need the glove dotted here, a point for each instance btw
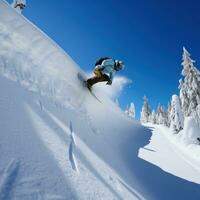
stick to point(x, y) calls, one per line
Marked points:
point(109, 82)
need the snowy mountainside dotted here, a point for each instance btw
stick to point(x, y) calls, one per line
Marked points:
point(39, 62)
point(57, 141)
point(35, 140)
point(35, 124)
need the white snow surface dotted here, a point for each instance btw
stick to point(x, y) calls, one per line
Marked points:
point(57, 141)
point(168, 151)
point(165, 153)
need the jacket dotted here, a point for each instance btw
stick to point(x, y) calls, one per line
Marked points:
point(108, 67)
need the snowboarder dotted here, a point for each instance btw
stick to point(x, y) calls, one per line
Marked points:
point(19, 5)
point(104, 70)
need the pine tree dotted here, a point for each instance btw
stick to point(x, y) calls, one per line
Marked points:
point(145, 113)
point(196, 115)
point(161, 116)
point(130, 110)
point(168, 114)
point(189, 86)
point(158, 114)
point(176, 114)
point(152, 117)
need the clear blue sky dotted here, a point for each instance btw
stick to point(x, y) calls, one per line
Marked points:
point(147, 34)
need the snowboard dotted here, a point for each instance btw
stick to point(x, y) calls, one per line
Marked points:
point(84, 83)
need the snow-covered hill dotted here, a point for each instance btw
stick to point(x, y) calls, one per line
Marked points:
point(35, 141)
point(35, 124)
point(56, 140)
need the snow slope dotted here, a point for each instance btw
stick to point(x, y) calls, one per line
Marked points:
point(35, 140)
point(36, 134)
point(57, 141)
point(163, 153)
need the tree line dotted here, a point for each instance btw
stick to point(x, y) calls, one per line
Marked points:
point(182, 106)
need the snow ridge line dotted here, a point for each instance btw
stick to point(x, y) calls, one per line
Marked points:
point(8, 179)
point(61, 50)
point(42, 67)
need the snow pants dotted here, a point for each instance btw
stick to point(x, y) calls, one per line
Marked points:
point(99, 77)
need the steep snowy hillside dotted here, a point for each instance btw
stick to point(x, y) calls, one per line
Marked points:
point(36, 136)
point(35, 141)
point(57, 141)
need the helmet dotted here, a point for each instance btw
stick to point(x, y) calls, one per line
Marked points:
point(119, 65)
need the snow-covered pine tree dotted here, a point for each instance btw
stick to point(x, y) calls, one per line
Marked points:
point(158, 114)
point(165, 117)
point(189, 86)
point(145, 113)
point(196, 115)
point(176, 114)
point(161, 116)
point(168, 114)
point(130, 110)
point(152, 117)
